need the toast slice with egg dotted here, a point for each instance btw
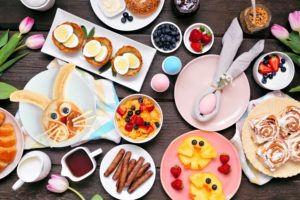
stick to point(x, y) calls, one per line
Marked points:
point(128, 50)
point(77, 31)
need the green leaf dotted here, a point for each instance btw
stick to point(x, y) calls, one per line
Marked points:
point(3, 38)
point(84, 32)
point(91, 33)
point(294, 57)
point(97, 197)
point(202, 29)
point(9, 63)
point(295, 89)
point(294, 41)
point(9, 48)
point(6, 90)
point(105, 67)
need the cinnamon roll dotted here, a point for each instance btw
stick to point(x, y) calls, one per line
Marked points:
point(290, 122)
point(265, 129)
point(273, 154)
point(294, 146)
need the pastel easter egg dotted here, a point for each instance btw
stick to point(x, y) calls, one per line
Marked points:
point(160, 82)
point(208, 104)
point(172, 65)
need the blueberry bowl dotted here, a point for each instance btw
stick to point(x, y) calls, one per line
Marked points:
point(274, 70)
point(166, 37)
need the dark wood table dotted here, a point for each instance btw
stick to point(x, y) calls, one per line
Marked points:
point(218, 15)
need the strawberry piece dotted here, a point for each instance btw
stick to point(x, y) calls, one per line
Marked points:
point(129, 127)
point(196, 46)
point(132, 120)
point(175, 171)
point(121, 110)
point(274, 62)
point(138, 120)
point(264, 69)
point(177, 184)
point(224, 169)
point(143, 108)
point(148, 129)
point(195, 35)
point(150, 108)
point(206, 39)
point(224, 158)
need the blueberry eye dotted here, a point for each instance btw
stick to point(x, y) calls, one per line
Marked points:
point(194, 142)
point(66, 110)
point(214, 187)
point(208, 180)
point(201, 143)
point(53, 116)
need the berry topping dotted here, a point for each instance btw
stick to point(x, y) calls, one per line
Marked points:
point(132, 108)
point(129, 127)
point(282, 60)
point(175, 171)
point(127, 119)
point(283, 69)
point(157, 124)
point(224, 169)
point(137, 112)
point(270, 76)
point(177, 184)
point(130, 113)
point(139, 121)
point(147, 123)
point(274, 62)
point(264, 69)
point(121, 110)
point(136, 127)
point(140, 99)
point(224, 158)
point(208, 180)
point(150, 108)
point(264, 80)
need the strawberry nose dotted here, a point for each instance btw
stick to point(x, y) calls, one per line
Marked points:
point(63, 120)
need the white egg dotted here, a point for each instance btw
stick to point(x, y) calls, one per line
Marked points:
point(121, 64)
point(102, 54)
point(134, 62)
point(63, 32)
point(91, 48)
point(72, 41)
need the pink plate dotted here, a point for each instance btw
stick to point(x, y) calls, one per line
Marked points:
point(197, 76)
point(231, 182)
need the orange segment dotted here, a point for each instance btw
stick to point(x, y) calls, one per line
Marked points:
point(7, 141)
point(7, 154)
point(2, 118)
point(3, 165)
point(6, 129)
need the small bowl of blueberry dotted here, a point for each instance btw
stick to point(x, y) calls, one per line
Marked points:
point(166, 37)
point(274, 70)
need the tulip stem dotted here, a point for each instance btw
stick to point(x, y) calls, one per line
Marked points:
point(20, 47)
point(76, 192)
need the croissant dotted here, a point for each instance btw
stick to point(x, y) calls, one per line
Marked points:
point(290, 122)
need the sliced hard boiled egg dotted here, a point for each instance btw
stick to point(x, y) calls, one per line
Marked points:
point(102, 54)
point(91, 48)
point(134, 62)
point(121, 64)
point(63, 32)
point(71, 42)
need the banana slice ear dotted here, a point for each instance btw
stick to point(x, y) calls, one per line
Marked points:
point(61, 79)
point(27, 96)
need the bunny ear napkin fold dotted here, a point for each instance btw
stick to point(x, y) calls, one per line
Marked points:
point(227, 69)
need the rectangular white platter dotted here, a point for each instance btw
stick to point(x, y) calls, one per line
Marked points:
point(135, 82)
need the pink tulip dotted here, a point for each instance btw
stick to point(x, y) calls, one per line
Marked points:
point(26, 25)
point(279, 32)
point(294, 19)
point(35, 41)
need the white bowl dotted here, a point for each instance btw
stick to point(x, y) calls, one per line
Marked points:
point(177, 44)
point(187, 42)
point(281, 79)
point(133, 96)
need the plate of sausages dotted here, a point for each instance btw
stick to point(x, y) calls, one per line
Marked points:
point(127, 172)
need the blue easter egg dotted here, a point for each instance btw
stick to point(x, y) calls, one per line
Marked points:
point(172, 65)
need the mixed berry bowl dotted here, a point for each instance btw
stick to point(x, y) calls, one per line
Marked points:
point(274, 70)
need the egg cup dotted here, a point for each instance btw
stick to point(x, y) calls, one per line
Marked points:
point(77, 31)
point(128, 49)
point(104, 42)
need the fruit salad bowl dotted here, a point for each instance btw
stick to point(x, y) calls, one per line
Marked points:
point(138, 118)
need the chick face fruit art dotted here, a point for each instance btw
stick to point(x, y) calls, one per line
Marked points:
point(206, 186)
point(196, 152)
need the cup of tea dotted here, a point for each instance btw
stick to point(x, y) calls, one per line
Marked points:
point(79, 163)
point(40, 5)
point(33, 167)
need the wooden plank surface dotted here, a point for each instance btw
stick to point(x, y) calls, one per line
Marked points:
point(216, 13)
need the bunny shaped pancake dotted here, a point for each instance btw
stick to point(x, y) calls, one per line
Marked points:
point(61, 119)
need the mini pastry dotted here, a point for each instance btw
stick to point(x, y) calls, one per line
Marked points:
point(264, 129)
point(294, 146)
point(127, 61)
point(196, 152)
point(68, 37)
point(97, 51)
point(273, 154)
point(142, 7)
point(290, 122)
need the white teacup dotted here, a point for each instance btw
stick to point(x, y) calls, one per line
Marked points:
point(65, 171)
point(40, 5)
point(33, 167)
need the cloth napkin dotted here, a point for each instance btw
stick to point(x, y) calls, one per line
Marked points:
point(253, 175)
point(106, 103)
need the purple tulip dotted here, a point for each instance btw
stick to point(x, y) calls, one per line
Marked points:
point(279, 32)
point(26, 25)
point(294, 19)
point(35, 41)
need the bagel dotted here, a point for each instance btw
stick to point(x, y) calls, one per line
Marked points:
point(142, 7)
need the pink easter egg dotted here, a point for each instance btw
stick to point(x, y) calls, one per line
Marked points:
point(208, 104)
point(160, 82)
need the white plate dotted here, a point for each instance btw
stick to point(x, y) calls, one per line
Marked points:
point(110, 185)
point(20, 144)
point(115, 22)
point(76, 90)
point(135, 82)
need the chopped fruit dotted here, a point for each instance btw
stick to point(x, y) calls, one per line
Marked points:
point(264, 69)
point(150, 108)
point(136, 127)
point(129, 127)
point(121, 110)
point(143, 108)
point(196, 46)
point(133, 119)
point(175, 171)
point(224, 158)
point(140, 99)
point(206, 39)
point(283, 69)
point(157, 124)
point(195, 35)
point(147, 123)
point(147, 129)
point(137, 112)
point(139, 121)
point(130, 113)
point(274, 62)
point(127, 119)
point(224, 169)
point(132, 108)
point(177, 184)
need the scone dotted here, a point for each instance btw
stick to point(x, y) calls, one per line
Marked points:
point(127, 61)
point(68, 37)
point(142, 7)
point(97, 51)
